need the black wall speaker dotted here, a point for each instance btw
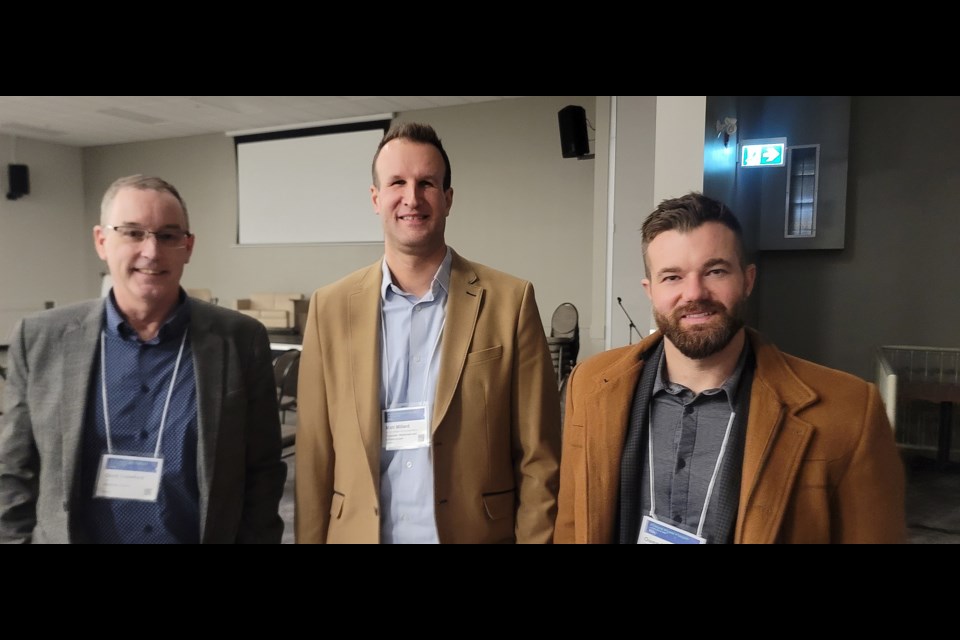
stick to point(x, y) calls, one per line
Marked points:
point(573, 131)
point(19, 181)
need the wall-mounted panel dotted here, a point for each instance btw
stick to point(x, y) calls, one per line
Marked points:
point(817, 129)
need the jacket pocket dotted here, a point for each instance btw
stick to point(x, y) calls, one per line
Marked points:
point(574, 436)
point(500, 505)
point(807, 516)
point(484, 355)
point(336, 505)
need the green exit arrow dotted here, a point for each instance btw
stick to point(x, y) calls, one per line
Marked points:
point(763, 153)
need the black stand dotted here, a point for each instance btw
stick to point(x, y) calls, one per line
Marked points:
point(632, 326)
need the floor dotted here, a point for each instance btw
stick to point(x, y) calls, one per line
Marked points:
point(286, 503)
point(933, 501)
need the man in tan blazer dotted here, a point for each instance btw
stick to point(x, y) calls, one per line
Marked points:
point(427, 404)
point(704, 432)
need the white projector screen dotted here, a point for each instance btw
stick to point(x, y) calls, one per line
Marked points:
point(301, 187)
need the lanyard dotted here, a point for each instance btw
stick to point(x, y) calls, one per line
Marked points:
point(103, 386)
point(713, 478)
point(385, 365)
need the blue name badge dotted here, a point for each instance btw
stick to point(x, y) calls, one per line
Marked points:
point(656, 532)
point(406, 427)
point(128, 478)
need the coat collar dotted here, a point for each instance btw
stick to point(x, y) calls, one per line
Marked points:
point(364, 312)
point(463, 308)
point(81, 337)
point(776, 441)
point(610, 401)
point(207, 346)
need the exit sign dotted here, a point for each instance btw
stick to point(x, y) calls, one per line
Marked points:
point(763, 153)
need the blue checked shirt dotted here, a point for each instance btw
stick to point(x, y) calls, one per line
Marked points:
point(138, 379)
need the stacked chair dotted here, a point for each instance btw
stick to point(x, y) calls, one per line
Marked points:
point(286, 370)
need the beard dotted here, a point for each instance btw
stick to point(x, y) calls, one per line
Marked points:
point(702, 340)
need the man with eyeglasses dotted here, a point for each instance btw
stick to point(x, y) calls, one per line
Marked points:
point(147, 416)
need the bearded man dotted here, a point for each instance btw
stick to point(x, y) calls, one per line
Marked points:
point(705, 432)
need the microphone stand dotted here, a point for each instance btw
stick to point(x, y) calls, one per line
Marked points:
point(632, 326)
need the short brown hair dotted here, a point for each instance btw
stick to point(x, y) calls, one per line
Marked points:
point(143, 183)
point(415, 132)
point(685, 214)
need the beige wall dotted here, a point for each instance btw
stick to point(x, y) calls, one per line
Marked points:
point(519, 206)
point(633, 197)
point(594, 341)
point(522, 208)
point(43, 236)
point(657, 154)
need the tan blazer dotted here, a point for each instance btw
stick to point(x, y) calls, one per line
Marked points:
point(819, 464)
point(496, 422)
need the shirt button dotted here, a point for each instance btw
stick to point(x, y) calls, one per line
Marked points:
point(144, 388)
point(681, 463)
point(409, 464)
point(416, 358)
point(688, 410)
point(143, 435)
point(403, 516)
point(677, 517)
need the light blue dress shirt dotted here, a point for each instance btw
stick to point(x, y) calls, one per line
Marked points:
point(410, 356)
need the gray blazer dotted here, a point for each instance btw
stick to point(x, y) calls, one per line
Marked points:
point(50, 362)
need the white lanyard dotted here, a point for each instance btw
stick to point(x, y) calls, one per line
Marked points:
point(713, 478)
point(103, 386)
point(385, 365)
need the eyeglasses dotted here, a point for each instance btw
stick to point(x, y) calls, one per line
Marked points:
point(171, 238)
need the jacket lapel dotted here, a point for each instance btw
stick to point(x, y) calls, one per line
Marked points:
point(81, 342)
point(463, 308)
point(364, 310)
point(208, 360)
point(776, 440)
point(610, 402)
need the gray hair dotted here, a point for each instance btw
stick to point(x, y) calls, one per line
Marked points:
point(143, 183)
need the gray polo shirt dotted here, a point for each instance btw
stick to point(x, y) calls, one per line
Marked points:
point(687, 431)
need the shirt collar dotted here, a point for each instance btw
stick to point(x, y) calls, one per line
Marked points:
point(173, 326)
point(730, 386)
point(441, 278)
